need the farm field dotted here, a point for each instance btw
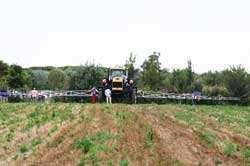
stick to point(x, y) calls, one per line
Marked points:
point(120, 134)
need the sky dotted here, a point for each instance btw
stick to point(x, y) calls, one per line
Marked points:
point(214, 34)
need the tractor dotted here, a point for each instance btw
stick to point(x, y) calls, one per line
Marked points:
point(121, 86)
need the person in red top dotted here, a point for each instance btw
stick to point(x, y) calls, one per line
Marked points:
point(94, 93)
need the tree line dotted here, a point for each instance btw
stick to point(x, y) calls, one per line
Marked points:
point(233, 81)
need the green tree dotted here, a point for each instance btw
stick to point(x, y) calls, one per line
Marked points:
point(190, 74)
point(212, 78)
point(236, 81)
point(28, 76)
point(3, 75)
point(3, 69)
point(196, 86)
point(40, 79)
point(166, 82)
point(180, 80)
point(130, 66)
point(85, 77)
point(151, 72)
point(16, 77)
point(3, 83)
point(213, 84)
point(56, 79)
point(184, 79)
point(216, 90)
point(69, 72)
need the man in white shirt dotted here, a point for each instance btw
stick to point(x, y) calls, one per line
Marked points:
point(108, 95)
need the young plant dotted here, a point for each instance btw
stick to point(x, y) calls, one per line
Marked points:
point(92, 145)
point(186, 116)
point(24, 148)
point(149, 136)
point(246, 153)
point(84, 144)
point(124, 163)
point(208, 138)
point(230, 149)
point(36, 142)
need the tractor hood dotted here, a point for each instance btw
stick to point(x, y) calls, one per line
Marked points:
point(117, 79)
point(117, 84)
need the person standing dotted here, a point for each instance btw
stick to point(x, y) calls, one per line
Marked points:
point(108, 96)
point(94, 93)
point(34, 94)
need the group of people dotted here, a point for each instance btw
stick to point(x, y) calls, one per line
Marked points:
point(95, 92)
point(33, 95)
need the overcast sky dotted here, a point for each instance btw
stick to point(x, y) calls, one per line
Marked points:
point(212, 33)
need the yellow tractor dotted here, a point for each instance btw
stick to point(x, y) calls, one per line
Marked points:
point(121, 86)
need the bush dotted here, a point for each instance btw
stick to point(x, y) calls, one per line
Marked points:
point(215, 91)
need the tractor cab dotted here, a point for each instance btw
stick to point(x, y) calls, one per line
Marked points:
point(118, 72)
